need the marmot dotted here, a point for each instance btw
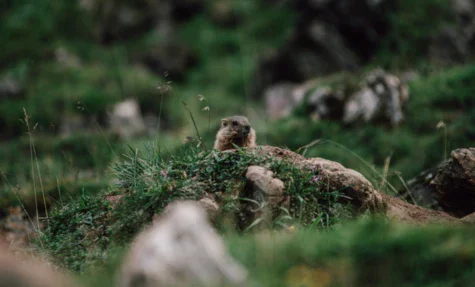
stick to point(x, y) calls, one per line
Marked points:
point(235, 130)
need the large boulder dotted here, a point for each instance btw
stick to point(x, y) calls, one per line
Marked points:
point(359, 192)
point(357, 189)
point(382, 96)
point(379, 97)
point(180, 249)
point(454, 184)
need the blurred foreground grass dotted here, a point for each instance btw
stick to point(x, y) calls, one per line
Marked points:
point(364, 253)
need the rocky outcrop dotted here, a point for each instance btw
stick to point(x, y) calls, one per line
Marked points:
point(418, 190)
point(454, 184)
point(357, 189)
point(380, 97)
point(359, 192)
point(266, 195)
point(449, 186)
point(180, 249)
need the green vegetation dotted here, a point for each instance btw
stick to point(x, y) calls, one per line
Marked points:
point(97, 200)
point(412, 147)
point(363, 253)
point(148, 183)
point(413, 25)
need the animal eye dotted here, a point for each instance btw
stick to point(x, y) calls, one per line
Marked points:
point(225, 124)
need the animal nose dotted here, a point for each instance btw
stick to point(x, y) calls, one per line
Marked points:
point(247, 129)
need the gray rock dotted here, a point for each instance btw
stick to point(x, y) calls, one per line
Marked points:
point(126, 119)
point(66, 58)
point(454, 185)
point(281, 99)
point(180, 249)
point(10, 89)
point(381, 97)
point(325, 103)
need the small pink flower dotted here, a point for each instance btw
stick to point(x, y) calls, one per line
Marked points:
point(316, 179)
point(164, 173)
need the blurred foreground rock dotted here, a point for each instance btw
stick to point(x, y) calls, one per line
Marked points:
point(180, 249)
point(15, 230)
point(379, 97)
point(29, 272)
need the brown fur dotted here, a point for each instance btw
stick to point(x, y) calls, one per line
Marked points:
point(235, 130)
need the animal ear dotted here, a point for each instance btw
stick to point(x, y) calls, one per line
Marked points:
point(224, 122)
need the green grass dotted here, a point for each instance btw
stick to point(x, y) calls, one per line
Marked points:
point(85, 231)
point(364, 253)
point(148, 183)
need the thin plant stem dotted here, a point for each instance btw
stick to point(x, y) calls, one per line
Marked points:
point(194, 124)
point(32, 166)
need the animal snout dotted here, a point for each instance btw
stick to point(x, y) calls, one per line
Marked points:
point(246, 130)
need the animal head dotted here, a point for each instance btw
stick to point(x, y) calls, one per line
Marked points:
point(238, 126)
